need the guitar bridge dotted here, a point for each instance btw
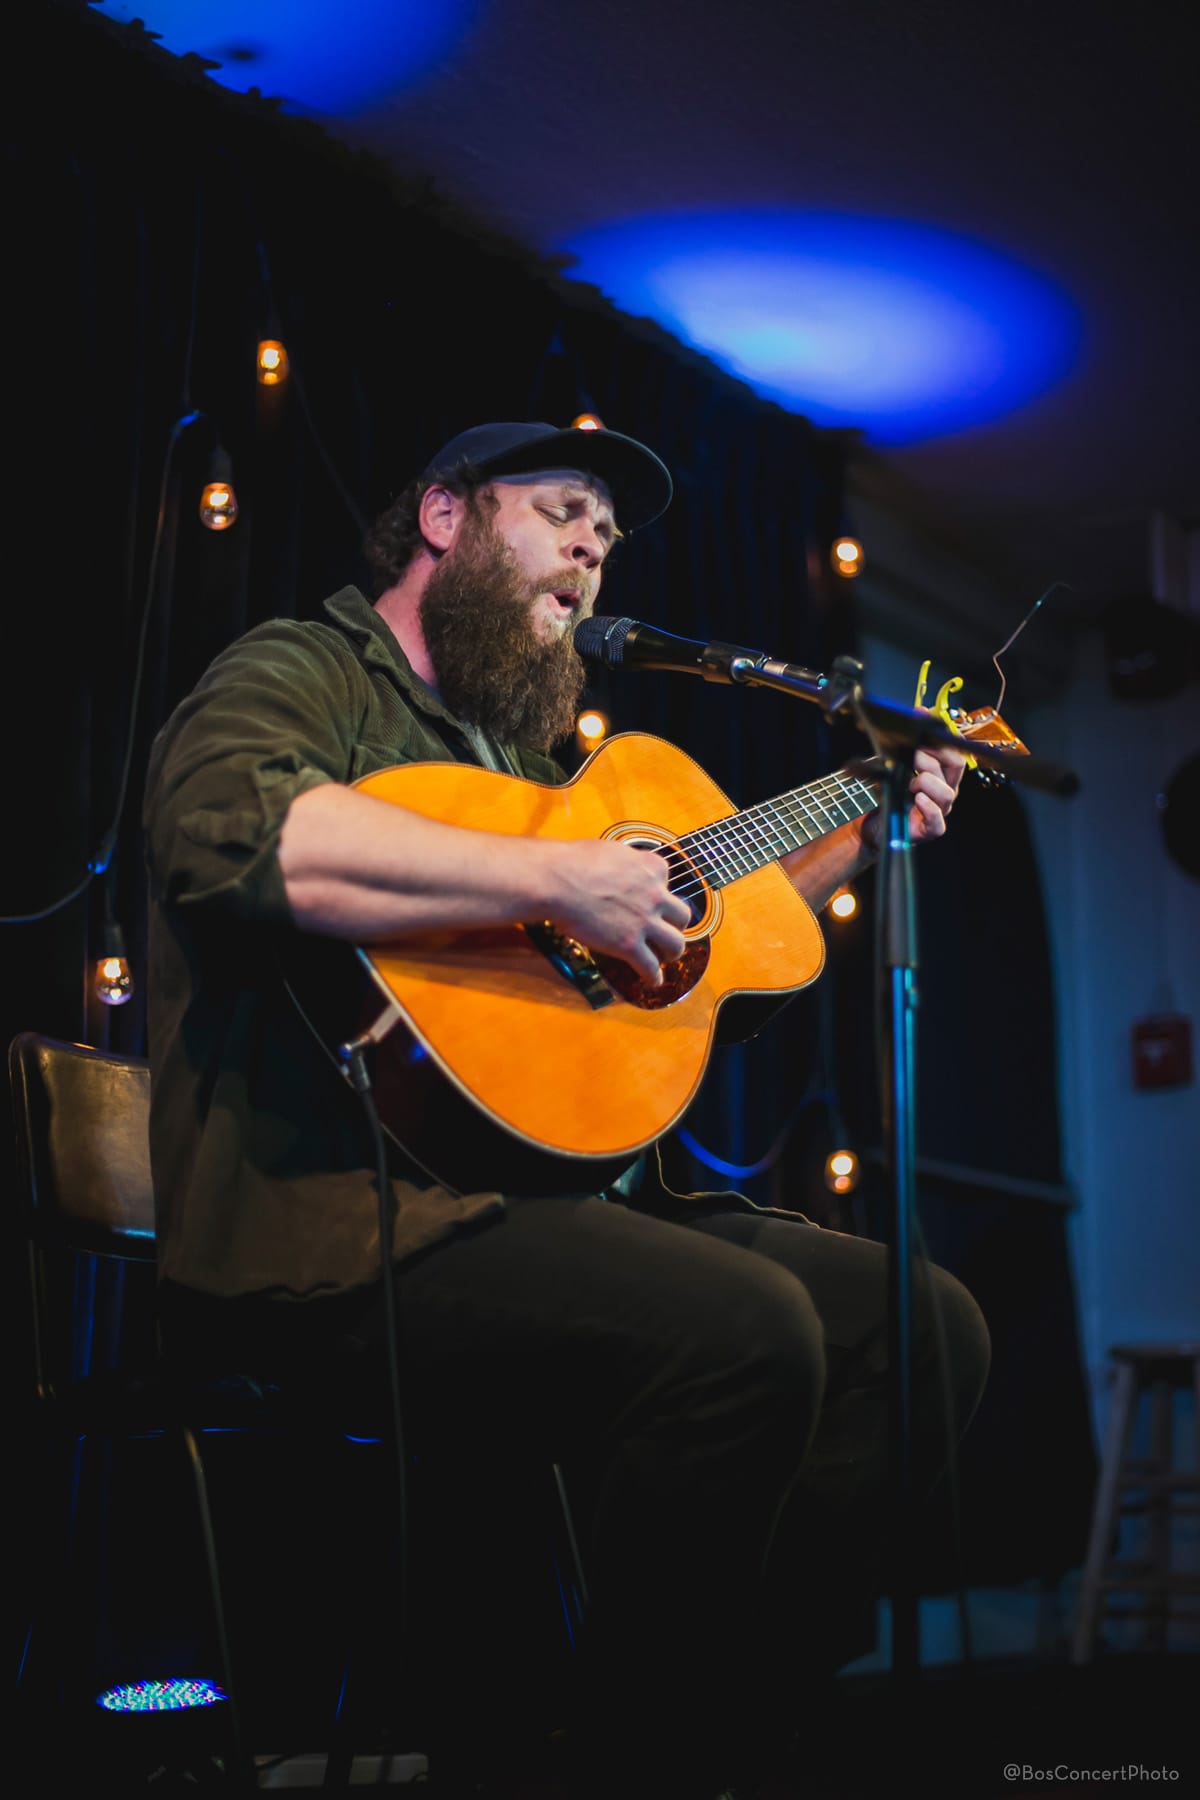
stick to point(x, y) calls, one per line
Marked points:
point(573, 962)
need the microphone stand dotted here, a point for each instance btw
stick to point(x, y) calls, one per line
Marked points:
point(894, 732)
point(898, 1105)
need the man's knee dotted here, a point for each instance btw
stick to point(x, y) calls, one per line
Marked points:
point(955, 1331)
point(753, 1362)
point(785, 1350)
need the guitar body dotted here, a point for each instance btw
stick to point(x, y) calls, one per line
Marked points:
point(509, 1058)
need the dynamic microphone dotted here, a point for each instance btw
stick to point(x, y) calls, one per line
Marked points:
point(628, 644)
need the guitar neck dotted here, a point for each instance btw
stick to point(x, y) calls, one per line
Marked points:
point(737, 846)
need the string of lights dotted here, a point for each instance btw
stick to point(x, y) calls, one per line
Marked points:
point(99, 863)
point(218, 509)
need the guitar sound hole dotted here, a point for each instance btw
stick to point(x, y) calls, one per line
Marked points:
point(683, 879)
point(681, 976)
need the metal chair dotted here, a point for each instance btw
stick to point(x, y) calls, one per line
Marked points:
point(85, 1192)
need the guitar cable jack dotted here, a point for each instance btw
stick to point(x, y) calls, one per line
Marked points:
point(353, 1058)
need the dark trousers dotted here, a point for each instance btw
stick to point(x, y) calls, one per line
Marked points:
point(715, 1386)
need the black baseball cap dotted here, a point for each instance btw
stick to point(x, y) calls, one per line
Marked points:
point(639, 481)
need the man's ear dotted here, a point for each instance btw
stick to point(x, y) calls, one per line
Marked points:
point(441, 515)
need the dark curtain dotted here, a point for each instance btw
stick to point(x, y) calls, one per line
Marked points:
point(160, 226)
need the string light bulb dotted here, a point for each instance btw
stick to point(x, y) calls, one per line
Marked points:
point(272, 362)
point(112, 978)
point(847, 557)
point(841, 1171)
point(843, 904)
point(218, 502)
point(587, 422)
point(591, 729)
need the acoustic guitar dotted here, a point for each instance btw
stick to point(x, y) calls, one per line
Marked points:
point(512, 1057)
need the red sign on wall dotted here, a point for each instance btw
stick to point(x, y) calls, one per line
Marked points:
point(1162, 1051)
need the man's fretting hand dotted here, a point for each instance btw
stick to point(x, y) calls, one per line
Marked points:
point(937, 777)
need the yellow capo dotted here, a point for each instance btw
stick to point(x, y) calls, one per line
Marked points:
point(942, 709)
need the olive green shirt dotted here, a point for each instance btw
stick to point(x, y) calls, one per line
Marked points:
point(263, 1172)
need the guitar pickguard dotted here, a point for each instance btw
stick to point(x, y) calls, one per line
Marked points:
point(679, 977)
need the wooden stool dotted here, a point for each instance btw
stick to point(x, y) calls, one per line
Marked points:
point(1149, 1485)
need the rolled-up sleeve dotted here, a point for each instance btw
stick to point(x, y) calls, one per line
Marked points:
point(269, 719)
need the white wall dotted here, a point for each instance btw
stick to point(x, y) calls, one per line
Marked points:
point(1125, 929)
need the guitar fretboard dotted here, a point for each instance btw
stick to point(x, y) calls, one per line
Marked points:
point(734, 847)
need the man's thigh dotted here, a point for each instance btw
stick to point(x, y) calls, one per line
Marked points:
point(845, 1277)
point(565, 1313)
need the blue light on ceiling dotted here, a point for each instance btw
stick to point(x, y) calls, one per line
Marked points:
point(899, 329)
point(317, 56)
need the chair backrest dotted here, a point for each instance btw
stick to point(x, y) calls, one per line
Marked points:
point(83, 1150)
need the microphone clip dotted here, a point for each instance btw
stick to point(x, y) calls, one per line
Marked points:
point(729, 662)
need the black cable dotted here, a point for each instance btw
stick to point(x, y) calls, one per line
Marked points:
point(98, 864)
point(351, 504)
point(275, 322)
point(354, 1066)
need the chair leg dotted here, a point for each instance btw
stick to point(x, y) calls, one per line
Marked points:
point(243, 1770)
point(339, 1760)
point(572, 1581)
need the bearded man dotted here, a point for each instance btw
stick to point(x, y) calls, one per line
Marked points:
point(711, 1375)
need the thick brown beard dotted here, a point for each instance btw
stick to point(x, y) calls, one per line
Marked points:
point(492, 669)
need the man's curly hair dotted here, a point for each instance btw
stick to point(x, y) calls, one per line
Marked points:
point(395, 537)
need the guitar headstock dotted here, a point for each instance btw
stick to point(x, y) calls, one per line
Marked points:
point(984, 725)
point(987, 727)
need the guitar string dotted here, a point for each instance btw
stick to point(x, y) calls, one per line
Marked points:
point(717, 844)
point(729, 846)
point(788, 818)
point(786, 811)
point(802, 804)
point(707, 837)
point(708, 852)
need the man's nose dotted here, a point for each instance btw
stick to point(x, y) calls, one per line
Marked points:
point(587, 548)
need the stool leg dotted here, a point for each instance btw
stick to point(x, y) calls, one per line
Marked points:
point(1104, 1513)
point(1158, 1510)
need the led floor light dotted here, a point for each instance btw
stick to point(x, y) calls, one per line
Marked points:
point(176, 1694)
